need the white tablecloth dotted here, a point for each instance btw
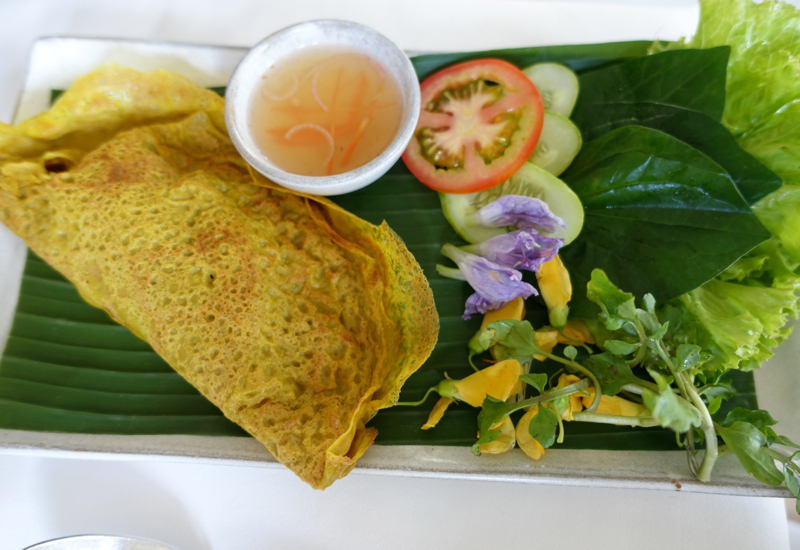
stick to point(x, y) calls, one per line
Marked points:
point(199, 507)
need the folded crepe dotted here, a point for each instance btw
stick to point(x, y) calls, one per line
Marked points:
point(297, 319)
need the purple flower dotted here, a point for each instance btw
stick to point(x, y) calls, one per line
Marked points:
point(518, 249)
point(494, 284)
point(478, 304)
point(527, 213)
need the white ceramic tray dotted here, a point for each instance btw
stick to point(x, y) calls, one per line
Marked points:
point(55, 62)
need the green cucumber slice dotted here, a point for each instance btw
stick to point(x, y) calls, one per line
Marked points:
point(530, 181)
point(558, 145)
point(557, 85)
point(457, 209)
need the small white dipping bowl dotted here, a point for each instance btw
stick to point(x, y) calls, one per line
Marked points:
point(247, 80)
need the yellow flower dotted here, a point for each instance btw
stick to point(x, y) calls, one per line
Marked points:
point(575, 404)
point(577, 401)
point(437, 413)
point(526, 442)
point(504, 442)
point(499, 381)
point(612, 405)
point(556, 290)
point(545, 341)
point(515, 309)
point(575, 329)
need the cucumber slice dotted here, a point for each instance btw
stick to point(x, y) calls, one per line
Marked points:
point(557, 85)
point(458, 208)
point(530, 181)
point(558, 145)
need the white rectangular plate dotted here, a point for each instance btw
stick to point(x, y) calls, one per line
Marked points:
point(55, 62)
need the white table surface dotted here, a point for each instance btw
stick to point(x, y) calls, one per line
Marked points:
point(204, 507)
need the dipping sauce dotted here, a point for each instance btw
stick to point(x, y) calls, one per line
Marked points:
point(325, 111)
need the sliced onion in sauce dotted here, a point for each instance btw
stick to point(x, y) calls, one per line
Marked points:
point(285, 95)
point(316, 127)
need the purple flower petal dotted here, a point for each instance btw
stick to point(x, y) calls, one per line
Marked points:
point(478, 304)
point(526, 213)
point(519, 249)
point(494, 284)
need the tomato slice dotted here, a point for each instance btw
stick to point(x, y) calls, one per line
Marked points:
point(479, 123)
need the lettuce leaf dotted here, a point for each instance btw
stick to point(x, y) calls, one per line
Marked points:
point(738, 323)
point(741, 315)
point(764, 64)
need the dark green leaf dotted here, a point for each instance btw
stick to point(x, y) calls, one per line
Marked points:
point(660, 216)
point(613, 103)
point(747, 442)
point(612, 372)
point(577, 57)
point(710, 137)
point(543, 427)
point(536, 379)
point(694, 80)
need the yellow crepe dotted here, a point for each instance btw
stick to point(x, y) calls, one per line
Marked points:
point(297, 319)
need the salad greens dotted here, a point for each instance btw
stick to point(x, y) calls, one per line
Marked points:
point(682, 397)
point(690, 180)
point(661, 217)
point(697, 129)
point(744, 311)
point(718, 123)
point(693, 79)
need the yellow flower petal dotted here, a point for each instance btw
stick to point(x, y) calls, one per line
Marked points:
point(502, 443)
point(437, 413)
point(613, 405)
point(515, 309)
point(566, 379)
point(575, 404)
point(575, 329)
point(528, 444)
point(545, 340)
point(499, 381)
point(554, 284)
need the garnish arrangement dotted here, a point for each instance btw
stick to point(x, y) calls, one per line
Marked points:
point(611, 240)
point(665, 202)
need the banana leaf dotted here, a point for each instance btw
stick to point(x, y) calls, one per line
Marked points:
point(68, 367)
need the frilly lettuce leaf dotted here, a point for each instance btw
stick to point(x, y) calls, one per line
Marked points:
point(763, 67)
point(737, 323)
point(741, 315)
point(779, 214)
